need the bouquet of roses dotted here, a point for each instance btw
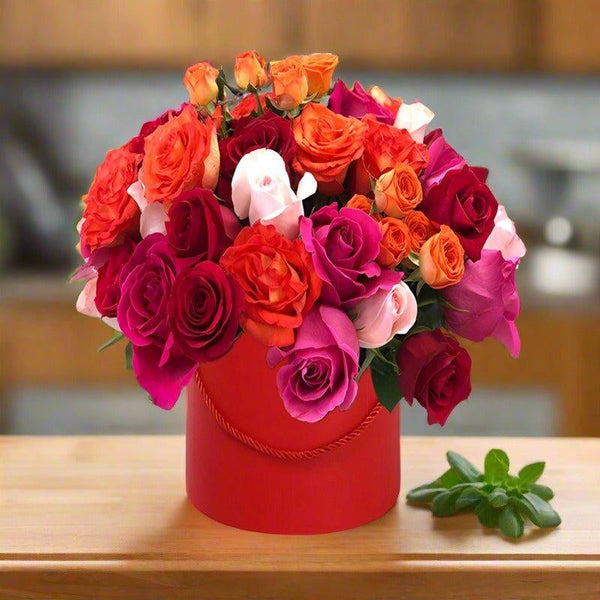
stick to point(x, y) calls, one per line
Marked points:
point(323, 221)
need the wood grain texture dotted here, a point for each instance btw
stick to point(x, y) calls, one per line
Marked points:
point(107, 517)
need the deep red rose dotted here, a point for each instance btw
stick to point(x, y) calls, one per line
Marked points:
point(204, 311)
point(464, 203)
point(267, 131)
point(199, 228)
point(136, 144)
point(436, 371)
point(108, 289)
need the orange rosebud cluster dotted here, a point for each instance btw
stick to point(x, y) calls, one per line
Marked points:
point(250, 69)
point(200, 81)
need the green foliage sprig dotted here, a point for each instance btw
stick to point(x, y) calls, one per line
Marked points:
point(496, 497)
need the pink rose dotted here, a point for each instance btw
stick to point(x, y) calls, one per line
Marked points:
point(261, 191)
point(487, 301)
point(442, 158)
point(321, 365)
point(385, 314)
point(414, 118)
point(504, 237)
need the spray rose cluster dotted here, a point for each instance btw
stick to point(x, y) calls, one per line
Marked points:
point(321, 219)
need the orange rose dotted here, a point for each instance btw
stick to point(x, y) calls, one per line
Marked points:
point(395, 243)
point(420, 227)
point(200, 81)
point(110, 212)
point(384, 99)
point(361, 203)
point(180, 155)
point(278, 279)
point(248, 104)
point(319, 68)
point(398, 191)
point(327, 144)
point(442, 259)
point(250, 69)
point(290, 84)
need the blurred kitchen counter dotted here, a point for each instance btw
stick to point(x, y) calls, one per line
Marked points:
point(45, 341)
point(501, 35)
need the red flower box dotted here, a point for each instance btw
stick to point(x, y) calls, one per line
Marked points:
point(251, 465)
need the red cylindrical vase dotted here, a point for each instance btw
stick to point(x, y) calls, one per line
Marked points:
point(253, 466)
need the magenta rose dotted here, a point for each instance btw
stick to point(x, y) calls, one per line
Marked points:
point(442, 158)
point(321, 365)
point(464, 203)
point(142, 313)
point(344, 246)
point(199, 228)
point(436, 371)
point(250, 133)
point(357, 103)
point(204, 311)
point(108, 288)
point(487, 301)
point(136, 144)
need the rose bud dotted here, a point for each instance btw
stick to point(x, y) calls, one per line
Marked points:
point(420, 227)
point(486, 301)
point(250, 69)
point(261, 191)
point(363, 203)
point(319, 68)
point(204, 311)
point(199, 228)
point(321, 365)
point(414, 118)
point(200, 81)
point(436, 371)
point(395, 244)
point(398, 191)
point(442, 259)
point(382, 316)
point(290, 84)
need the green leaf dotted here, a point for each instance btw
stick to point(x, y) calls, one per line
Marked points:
point(414, 276)
point(129, 356)
point(465, 470)
point(444, 504)
point(498, 498)
point(531, 473)
point(543, 491)
point(537, 510)
point(470, 496)
point(385, 382)
point(117, 337)
point(510, 522)
point(448, 479)
point(425, 494)
point(496, 466)
point(487, 515)
point(368, 359)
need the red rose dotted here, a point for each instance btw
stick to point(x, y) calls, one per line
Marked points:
point(204, 311)
point(267, 131)
point(436, 371)
point(199, 228)
point(108, 289)
point(466, 204)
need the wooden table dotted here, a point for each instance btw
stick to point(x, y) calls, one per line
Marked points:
point(107, 518)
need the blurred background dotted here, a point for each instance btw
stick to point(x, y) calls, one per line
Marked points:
point(514, 83)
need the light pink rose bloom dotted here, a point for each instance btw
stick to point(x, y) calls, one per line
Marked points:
point(385, 314)
point(261, 191)
point(504, 237)
point(414, 118)
point(153, 216)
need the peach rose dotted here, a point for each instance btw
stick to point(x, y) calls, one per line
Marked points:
point(398, 191)
point(290, 84)
point(384, 99)
point(361, 203)
point(200, 81)
point(180, 155)
point(319, 68)
point(327, 144)
point(420, 227)
point(442, 259)
point(250, 69)
point(395, 243)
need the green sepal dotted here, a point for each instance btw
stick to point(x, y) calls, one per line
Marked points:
point(129, 356)
point(385, 382)
point(117, 337)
